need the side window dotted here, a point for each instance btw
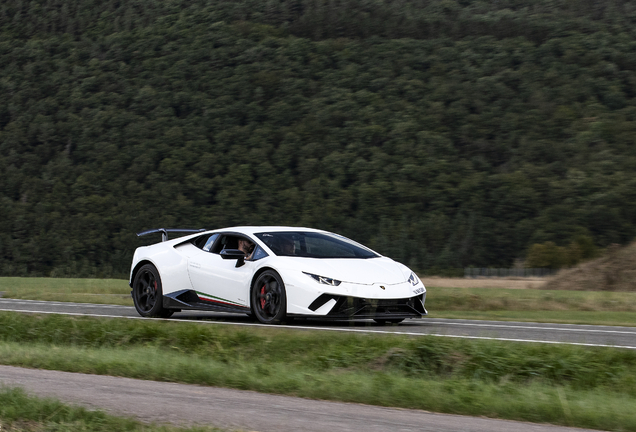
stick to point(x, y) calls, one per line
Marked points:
point(259, 254)
point(228, 241)
point(225, 242)
point(205, 241)
point(210, 242)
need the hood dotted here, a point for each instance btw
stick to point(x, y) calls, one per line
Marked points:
point(360, 271)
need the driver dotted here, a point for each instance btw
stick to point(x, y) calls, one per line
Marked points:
point(247, 247)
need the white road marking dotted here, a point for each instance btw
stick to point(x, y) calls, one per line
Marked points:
point(526, 327)
point(13, 301)
point(335, 329)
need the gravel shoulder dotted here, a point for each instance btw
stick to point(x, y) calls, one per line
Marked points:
point(183, 404)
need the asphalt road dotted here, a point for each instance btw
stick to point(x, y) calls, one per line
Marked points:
point(238, 409)
point(499, 330)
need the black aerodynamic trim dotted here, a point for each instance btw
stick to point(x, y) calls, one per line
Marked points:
point(189, 300)
point(356, 307)
point(320, 301)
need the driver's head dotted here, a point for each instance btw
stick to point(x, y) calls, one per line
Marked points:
point(246, 246)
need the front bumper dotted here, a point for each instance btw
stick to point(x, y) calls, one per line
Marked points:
point(347, 307)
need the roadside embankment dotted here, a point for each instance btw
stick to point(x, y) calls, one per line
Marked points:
point(530, 382)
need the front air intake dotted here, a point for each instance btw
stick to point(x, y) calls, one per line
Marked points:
point(356, 307)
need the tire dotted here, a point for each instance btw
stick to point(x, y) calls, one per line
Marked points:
point(147, 293)
point(268, 298)
point(389, 321)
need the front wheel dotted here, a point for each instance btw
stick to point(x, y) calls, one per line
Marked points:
point(147, 293)
point(268, 298)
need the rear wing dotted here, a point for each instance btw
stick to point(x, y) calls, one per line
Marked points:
point(164, 232)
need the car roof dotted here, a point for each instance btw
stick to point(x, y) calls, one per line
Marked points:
point(251, 230)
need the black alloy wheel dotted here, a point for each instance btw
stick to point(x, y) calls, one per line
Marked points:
point(148, 294)
point(268, 298)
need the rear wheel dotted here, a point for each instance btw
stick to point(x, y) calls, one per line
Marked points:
point(147, 293)
point(268, 298)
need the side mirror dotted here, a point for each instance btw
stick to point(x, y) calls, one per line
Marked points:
point(236, 254)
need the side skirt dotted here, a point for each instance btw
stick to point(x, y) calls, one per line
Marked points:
point(190, 300)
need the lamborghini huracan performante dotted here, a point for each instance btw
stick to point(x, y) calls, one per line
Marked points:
point(273, 274)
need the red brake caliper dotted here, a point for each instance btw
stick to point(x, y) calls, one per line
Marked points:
point(263, 297)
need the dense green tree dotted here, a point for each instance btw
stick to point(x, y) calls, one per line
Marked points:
point(441, 133)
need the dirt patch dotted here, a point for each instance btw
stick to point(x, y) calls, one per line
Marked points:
point(510, 283)
point(614, 271)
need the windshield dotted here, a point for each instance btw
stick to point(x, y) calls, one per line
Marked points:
point(314, 245)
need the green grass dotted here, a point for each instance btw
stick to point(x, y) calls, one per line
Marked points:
point(576, 386)
point(500, 304)
point(567, 385)
point(497, 299)
point(101, 291)
point(21, 412)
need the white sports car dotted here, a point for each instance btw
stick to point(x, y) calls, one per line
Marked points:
point(273, 274)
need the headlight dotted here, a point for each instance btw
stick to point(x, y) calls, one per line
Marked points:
point(413, 280)
point(323, 280)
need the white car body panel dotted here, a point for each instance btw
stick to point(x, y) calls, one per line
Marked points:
point(184, 266)
point(168, 261)
point(212, 275)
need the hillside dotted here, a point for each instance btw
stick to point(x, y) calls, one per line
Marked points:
point(614, 271)
point(441, 133)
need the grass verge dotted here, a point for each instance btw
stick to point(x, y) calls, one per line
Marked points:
point(22, 413)
point(566, 385)
point(501, 299)
point(100, 291)
point(499, 304)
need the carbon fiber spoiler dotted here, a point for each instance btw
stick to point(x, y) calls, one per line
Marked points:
point(164, 232)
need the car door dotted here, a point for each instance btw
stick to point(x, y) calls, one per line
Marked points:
point(218, 280)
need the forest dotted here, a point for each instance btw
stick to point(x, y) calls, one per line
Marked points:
point(442, 133)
